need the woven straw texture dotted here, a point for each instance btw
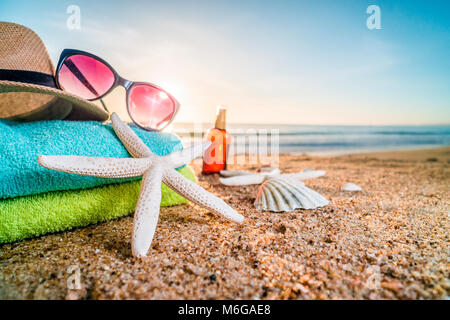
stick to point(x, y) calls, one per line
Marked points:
point(22, 49)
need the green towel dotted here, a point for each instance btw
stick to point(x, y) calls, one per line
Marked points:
point(35, 215)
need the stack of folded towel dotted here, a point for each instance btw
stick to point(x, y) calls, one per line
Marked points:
point(35, 201)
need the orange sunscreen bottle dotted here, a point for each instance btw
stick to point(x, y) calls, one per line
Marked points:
point(215, 157)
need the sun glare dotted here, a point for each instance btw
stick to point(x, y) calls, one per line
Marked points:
point(163, 95)
point(173, 89)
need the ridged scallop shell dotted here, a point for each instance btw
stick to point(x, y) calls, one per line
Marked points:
point(287, 194)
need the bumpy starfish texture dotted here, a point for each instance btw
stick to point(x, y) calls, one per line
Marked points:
point(153, 170)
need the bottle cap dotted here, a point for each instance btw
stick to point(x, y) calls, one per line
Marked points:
point(220, 119)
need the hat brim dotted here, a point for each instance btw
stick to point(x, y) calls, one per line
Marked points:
point(81, 109)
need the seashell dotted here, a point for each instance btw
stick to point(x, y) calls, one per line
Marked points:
point(264, 171)
point(243, 180)
point(351, 187)
point(233, 173)
point(287, 194)
point(247, 179)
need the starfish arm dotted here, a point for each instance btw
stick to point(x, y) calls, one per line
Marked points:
point(95, 166)
point(135, 146)
point(147, 210)
point(304, 175)
point(198, 195)
point(243, 180)
point(179, 158)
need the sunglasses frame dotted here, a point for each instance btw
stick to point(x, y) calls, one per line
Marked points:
point(118, 81)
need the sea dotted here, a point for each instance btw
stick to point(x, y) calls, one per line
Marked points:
point(321, 139)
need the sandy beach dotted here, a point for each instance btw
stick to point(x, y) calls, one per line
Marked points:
point(390, 241)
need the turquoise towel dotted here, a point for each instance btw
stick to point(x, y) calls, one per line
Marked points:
point(21, 143)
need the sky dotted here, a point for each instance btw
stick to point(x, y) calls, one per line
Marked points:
point(283, 62)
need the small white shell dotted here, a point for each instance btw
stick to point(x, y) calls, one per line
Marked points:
point(287, 194)
point(243, 180)
point(233, 173)
point(351, 187)
point(249, 178)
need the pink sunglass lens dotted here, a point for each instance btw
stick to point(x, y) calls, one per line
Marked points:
point(85, 77)
point(150, 107)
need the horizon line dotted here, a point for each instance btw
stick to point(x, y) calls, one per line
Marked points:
point(313, 125)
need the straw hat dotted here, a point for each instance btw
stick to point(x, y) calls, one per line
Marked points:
point(27, 83)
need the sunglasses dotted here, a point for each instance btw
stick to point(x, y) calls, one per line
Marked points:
point(91, 78)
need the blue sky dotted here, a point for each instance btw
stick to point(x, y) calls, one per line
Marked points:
point(299, 62)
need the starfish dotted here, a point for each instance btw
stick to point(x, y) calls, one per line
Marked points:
point(153, 170)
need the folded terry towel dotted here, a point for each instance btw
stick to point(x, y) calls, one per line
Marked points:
point(35, 215)
point(21, 143)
